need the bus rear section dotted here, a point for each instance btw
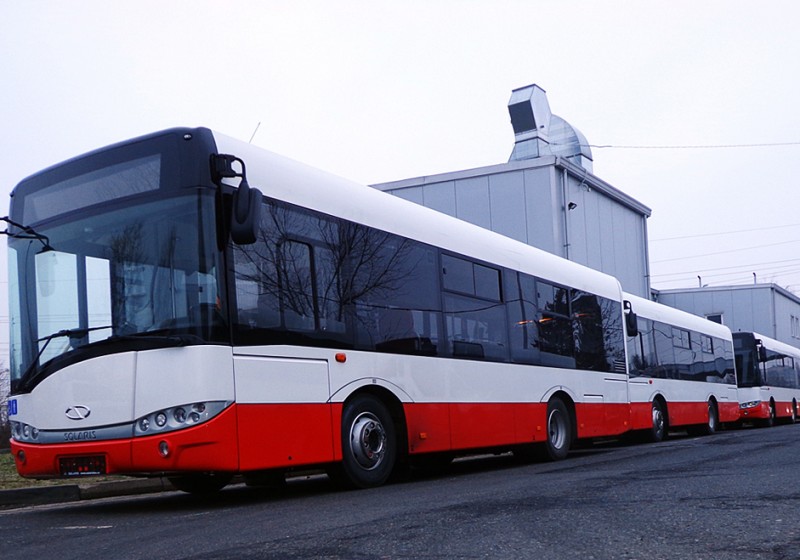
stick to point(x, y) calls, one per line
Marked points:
point(681, 372)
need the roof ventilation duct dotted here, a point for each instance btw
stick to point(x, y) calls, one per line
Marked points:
point(538, 132)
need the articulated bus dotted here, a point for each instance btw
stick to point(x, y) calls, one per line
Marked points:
point(681, 369)
point(168, 319)
point(769, 378)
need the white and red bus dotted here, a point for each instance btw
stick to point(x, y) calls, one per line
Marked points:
point(681, 369)
point(168, 319)
point(769, 379)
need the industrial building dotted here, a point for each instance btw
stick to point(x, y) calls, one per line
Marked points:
point(546, 195)
point(766, 309)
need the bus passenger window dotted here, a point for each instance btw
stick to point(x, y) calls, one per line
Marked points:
point(520, 296)
point(555, 327)
point(476, 329)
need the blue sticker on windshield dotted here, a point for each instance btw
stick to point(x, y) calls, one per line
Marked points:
point(12, 407)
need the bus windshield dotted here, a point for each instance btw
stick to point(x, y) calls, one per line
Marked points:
point(143, 273)
point(747, 370)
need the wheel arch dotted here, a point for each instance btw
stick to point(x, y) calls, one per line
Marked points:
point(395, 406)
point(569, 402)
point(662, 400)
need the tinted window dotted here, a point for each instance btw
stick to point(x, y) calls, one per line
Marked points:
point(457, 275)
point(520, 293)
point(469, 278)
point(474, 329)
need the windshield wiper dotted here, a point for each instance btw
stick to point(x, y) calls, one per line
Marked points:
point(26, 232)
point(33, 371)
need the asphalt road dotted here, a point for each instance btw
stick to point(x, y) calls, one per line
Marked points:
point(735, 495)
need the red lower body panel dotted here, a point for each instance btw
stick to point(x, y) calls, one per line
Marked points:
point(462, 426)
point(286, 435)
point(248, 437)
point(207, 447)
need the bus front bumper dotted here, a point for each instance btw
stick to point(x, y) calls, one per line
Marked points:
point(210, 446)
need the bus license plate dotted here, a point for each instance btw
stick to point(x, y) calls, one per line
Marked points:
point(82, 466)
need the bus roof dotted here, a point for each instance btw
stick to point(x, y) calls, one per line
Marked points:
point(676, 317)
point(777, 345)
point(288, 180)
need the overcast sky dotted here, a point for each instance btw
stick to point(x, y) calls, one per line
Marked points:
point(379, 91)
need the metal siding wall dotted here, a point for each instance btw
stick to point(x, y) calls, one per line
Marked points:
point(755, 310)
point(543, 211)
point(606, 240)
point(579, 222)
point(413, 194)
point(441, 197)
point(472, 201)
point(507, 205)
point(630, 254)
point(785, 309)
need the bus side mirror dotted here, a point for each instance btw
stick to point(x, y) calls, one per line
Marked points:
point(631, 320)
point(246, 208)
point(762, 354)
point(245, 214)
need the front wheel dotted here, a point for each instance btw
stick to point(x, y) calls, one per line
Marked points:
point(369, 443)
point(658, 431)
point(770, 421)
point(710, 427)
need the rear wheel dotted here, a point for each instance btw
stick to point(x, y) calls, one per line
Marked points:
point(769, 422)
point(658, 431)
point(559, 431)
point(369, 444)
point(712, 426)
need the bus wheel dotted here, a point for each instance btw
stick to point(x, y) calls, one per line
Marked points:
point(559, 431)
point(658, 432)
point(769, 422)
point(369, 445)
point(793, 418)
point(712, 426)
point(201, 483)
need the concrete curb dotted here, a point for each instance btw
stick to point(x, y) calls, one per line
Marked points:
point(62, 493)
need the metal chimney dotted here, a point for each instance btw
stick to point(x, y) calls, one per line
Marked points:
point(538, 132)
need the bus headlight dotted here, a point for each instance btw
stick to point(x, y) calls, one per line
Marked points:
point(177, 417)
point(23, 432)
point(749, 404)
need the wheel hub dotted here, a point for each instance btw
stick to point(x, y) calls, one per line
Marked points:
point(368, 440)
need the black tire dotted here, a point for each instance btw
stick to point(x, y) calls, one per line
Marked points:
point(201, 483)
point(793, 417)
point(559, 431)
point(710, 427)
point(769, 422)
point(369, 443)
point(658, 430)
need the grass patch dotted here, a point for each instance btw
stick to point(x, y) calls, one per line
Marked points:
point(9, 479)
